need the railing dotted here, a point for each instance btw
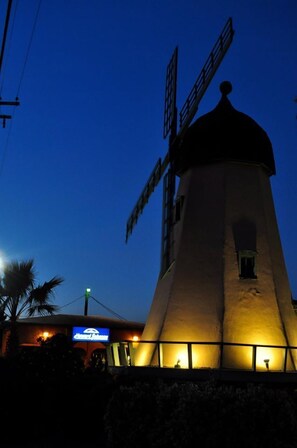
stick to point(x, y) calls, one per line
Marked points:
point(202, 355)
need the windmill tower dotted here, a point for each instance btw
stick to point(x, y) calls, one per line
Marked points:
point(223, 284)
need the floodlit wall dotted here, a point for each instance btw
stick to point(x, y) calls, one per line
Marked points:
point(228, 208)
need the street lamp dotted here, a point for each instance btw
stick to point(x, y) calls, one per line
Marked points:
point(87, 295)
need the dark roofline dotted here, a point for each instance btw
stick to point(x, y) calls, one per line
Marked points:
point(77, 320)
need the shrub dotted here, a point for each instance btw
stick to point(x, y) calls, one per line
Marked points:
point(206, 415)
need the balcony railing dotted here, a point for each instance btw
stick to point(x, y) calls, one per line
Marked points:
point(202, 355)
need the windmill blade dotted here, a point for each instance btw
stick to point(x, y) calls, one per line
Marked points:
point(170, 120)
point(170, 123)
point(210, 67)
point(149, 187)
point(170, 111)
point(167, 220)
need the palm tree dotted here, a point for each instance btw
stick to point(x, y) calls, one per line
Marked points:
point(19, 296)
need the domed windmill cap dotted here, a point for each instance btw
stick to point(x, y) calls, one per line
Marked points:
point(225, 134)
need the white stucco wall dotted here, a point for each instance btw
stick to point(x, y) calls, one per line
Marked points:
point(202, 297)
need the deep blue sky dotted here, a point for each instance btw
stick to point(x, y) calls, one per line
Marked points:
point(89, 130)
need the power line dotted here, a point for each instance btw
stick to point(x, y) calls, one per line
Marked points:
point(100, 303)
point(108, 309)
point(5, 32)
point(29, 46)
point(9, 44)
point(4, 117)
point(70, 303)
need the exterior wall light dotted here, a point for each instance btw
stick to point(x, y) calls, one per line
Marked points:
point(44, 336)
point(177, 365)
point(267, 363)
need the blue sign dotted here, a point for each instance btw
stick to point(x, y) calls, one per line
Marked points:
point(89, 334)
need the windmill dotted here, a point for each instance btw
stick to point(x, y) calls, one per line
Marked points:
point(166, 167)
point(223, 297)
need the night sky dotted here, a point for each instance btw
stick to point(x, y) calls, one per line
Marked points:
point(88, 132)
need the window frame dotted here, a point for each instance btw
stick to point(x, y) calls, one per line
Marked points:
point(250, 255)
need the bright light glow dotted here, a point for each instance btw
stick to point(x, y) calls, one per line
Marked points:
point(45, 335)
point(143, 353)
point(205, 356)
point(265, 360)
point(135, 338)
point(88, 289)
point(2, 262)
point(182, 359)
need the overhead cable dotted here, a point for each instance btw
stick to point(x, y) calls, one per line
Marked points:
point(108, 309)
point(29, 47)
point(100, 303)
point(70, 303)
point(5, 32)
point(8, 44)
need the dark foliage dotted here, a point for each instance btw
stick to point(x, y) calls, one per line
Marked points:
point(55, 358)
point(12, 343)
point(49, 401)
point(97, 362)
point(205, 415)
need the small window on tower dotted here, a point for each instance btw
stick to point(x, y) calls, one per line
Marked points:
point(247, 264)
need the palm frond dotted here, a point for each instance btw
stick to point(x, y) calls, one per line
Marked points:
point(42, 294)
point(18, 294)
point(42, 310)
point(18, 278)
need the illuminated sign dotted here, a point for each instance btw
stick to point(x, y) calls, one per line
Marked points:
point(87, 334)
